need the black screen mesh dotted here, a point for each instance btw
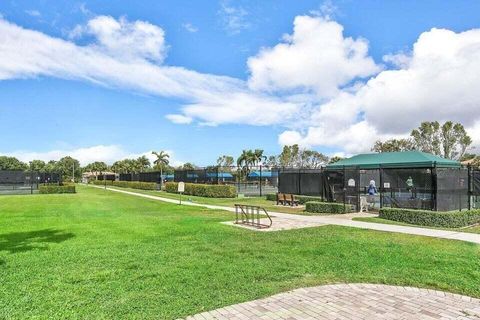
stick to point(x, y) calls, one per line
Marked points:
point(408, 188)
point(452, 189)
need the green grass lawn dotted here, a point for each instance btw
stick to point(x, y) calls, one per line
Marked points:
point(100, 254)
point(229, 202)
point(473, 229)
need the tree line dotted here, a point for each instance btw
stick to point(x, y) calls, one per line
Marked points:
point(448, 140)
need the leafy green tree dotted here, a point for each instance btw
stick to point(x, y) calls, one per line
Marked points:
point(293, 156)
point(449, 140)
point(394, 145)
point(289, 155)
point(125, 166)
point(66, 166)
point(335, 159)
point(225, 161)
point(188, 166)
point(37, 165)
point(50, 166)
point(12, 163)
point(97, 167)
point(273, 161)
point(311, 159)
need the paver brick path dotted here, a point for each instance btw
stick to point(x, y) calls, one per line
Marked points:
point(352, 301)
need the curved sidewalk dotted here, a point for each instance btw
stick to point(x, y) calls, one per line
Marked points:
point(301, 221)
point(352, 301)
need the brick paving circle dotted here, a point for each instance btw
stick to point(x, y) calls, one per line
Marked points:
point(353, 301)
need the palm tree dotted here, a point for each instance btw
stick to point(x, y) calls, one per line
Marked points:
point(161, 162)
point(246, 159)
point(143, 163)
point(258, 156)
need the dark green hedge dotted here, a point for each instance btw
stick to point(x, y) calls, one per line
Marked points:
point(204, 190)
point(301, 199)
point(326, 207)
point(449, 219)
point(50, 189)
point(128, 184)
point(271, 196)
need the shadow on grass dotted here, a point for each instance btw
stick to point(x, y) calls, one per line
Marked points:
point(26, 241)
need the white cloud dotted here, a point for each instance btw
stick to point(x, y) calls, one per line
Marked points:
point(322, 87)
point(86, 155)
point(121, 38)
point(316, 57)
point(190, 27)
point(438, 80)
point(48, 56)
point(234, 19)
point(179, 119)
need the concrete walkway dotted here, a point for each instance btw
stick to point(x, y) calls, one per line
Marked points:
point(300, 221)
point(352, 301)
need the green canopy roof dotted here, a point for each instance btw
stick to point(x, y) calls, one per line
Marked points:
point(406, 159)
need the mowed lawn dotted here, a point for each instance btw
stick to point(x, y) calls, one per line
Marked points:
point(100, 254)
point(228, 202)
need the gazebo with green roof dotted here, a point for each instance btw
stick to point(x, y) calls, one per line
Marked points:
point(406, 159)
point(410, 179)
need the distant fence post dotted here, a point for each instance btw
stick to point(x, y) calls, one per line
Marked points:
point(381, 186)
point(469, 192)
point(260, 180)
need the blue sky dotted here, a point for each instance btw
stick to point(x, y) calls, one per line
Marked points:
point(47, 113)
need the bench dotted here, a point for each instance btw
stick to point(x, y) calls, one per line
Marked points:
point(286, 199)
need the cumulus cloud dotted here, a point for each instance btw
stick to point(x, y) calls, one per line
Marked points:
point(315, 57)
point(321, 86)
point(102, 64)
point(437, 80)
point(121, 38)
point(86, 155)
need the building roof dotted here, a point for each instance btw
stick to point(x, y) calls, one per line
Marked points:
point(406, 159)
point(263, 174)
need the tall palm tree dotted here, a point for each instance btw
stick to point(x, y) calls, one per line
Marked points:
point(161, 162)
point(245, 160)
point(258, 157)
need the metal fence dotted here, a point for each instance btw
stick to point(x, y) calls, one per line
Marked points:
point(25, 182)
point(441, 189)
point(249, 181)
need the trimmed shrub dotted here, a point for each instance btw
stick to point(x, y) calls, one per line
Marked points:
point(128, 184)
point(449, 219)
point(52, 188)
point(204, 190)
point(305, 199)
point(326, 207)
point(271, 197)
